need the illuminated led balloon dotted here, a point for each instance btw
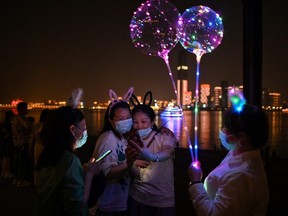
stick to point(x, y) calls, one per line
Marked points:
point(200, 30)
point(153, 28)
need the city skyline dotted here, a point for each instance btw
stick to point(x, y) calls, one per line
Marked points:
point(48, 49)
point(209, 95)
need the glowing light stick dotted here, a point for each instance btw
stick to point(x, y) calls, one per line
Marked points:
point(154, 31)
point(200, 32)
point(237, 99)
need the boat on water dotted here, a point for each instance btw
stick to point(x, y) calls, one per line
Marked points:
point(171, 112)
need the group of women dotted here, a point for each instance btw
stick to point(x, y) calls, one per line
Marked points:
point(139, 169)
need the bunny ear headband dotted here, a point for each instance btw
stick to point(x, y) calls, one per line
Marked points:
point(75, 98)
point(114, 98)
point(237, 99)
point(147, 100)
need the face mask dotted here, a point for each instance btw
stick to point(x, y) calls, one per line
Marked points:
point(144, 132)
point(124, 126)
point(80, 142)
point(225, 143)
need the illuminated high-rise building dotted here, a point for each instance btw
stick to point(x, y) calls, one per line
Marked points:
point(274, 99)
point(204, 93)
point(217, 96)
point(182, 79)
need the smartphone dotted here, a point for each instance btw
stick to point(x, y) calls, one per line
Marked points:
point(104, 155)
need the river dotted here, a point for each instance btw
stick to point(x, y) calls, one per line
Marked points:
point(209, 124)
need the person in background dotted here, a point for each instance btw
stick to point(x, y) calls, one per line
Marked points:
point(35, 146)
point(21, 134)
point(152, 186)
point(238, 186)
point(7, 145)
point(118, 121)
point(63, 186)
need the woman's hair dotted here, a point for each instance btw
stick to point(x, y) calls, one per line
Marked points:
point(56, 135)
point(110, 113)
point(147, 110)
point(43, 114)
point(251, 121)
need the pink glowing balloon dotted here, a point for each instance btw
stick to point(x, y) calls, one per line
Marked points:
point(153, 28)
point(200, 30)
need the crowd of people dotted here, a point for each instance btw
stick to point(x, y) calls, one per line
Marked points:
point(138, 169)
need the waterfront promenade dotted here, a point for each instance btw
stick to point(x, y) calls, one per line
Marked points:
point(19, 201)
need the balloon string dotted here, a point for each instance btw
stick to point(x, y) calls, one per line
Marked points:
point(196, 110)
point(165, 57)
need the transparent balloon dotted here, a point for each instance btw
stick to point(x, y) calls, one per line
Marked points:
point(200, 30)
point(153, 28)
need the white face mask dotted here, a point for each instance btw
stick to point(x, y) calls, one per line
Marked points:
point(144, 132)
point(80, 142)
point(124, 125)
point(225, 143)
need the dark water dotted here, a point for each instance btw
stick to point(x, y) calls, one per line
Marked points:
point(209, 124)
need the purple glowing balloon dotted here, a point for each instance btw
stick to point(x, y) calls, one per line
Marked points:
point(153, 28)
point(200, 30)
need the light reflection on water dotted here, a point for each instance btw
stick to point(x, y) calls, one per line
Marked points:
point(209, 124)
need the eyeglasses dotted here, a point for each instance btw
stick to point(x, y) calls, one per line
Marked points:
point(80, 129)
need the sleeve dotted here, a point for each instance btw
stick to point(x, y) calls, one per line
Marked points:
point(105, 142)
point(98, 185)
point(169, 140)
point(234, 197)
point(73, 188)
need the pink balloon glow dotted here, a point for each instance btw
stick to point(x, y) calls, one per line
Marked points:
point(200, 30)
point(153, 28)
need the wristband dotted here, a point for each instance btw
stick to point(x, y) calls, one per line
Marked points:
point(192, 183)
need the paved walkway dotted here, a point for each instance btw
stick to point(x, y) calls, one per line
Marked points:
point(16, 201)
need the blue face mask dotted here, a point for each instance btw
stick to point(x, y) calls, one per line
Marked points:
point(124, 126)
point(224, 142)
point(80, 142)
point(144, 132)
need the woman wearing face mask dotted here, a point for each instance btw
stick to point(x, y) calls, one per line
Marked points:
point(118, 121)
point(238, 186)
point(63, 186)
point(152, 189)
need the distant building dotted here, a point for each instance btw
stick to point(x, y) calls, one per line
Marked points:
point(265, 97)
point(182, 79)
point(217, 96)
point(204, 93)
point(275, 100)
point(224, 99)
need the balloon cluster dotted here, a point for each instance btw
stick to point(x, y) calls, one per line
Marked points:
point(157, 26)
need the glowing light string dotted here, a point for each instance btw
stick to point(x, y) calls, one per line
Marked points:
point(165, 57)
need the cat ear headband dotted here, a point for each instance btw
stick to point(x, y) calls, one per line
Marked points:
point(75, 98)
point(147, 100)
point(114, 98)
point(237, 99)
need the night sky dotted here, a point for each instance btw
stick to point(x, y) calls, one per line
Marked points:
point(49, 48)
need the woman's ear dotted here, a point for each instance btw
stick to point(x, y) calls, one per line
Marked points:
point(72, 128)
point(111, 122)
